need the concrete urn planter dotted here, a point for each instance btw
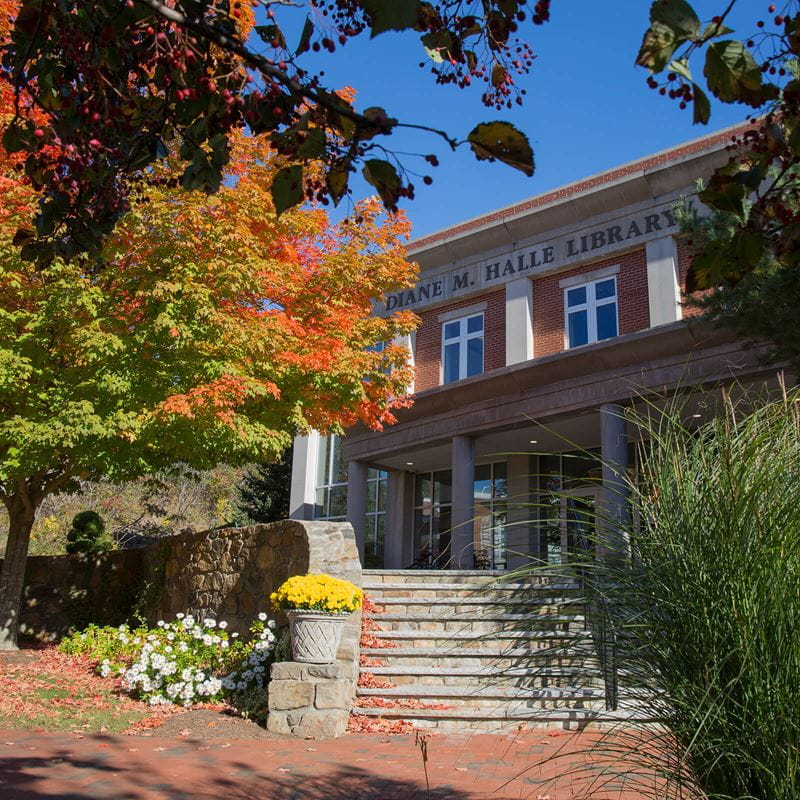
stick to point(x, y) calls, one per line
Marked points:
point(315, 635)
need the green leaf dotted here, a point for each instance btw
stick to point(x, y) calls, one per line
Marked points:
point(713, 31)
point(220, 150)
point(305, 37)
point(440, 45)
point(701, 106)
point(678, 15)
point(681, 67)
point(22, 236)
point(672, 22)
point(498, 75)
point(733, 74)
point(658, 45)
point(336, 180)
point(271, 35)
point(725, 260)
point(724, 193)
point(287, 188)
point(501, 140)
point(396, 15)
point(14, 139)
point(383, 176)
point(314, 144)
point(201, 173)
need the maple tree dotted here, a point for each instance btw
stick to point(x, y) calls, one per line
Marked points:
point(207, 330)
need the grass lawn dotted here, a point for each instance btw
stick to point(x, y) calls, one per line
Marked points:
point(47, 690)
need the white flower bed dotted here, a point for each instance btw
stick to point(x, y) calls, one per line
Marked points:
point(194, 661)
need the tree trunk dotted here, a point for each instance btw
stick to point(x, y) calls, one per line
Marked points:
point(21, 513)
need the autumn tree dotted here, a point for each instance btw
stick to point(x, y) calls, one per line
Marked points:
point(207, 330)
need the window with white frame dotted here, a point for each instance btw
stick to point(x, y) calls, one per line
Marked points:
point(590, 312)
point(462, 347)
point(331, 488)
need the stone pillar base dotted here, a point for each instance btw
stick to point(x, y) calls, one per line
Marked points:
point(310, 701)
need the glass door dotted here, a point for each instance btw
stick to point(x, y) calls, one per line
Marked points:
point(579, 524)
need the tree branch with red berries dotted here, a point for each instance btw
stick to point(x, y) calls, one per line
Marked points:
point(122, 83)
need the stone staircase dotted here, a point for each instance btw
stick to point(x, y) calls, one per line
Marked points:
point(462, 650)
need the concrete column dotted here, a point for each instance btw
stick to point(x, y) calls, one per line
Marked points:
point(519, 321)
point(663, 288)
point(304, 476)
point(614, 495)
point(399, 533)
point(357, 501)
point(521, 515)
point(463, 514)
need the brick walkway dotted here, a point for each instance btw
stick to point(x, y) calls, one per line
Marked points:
point(357, 767)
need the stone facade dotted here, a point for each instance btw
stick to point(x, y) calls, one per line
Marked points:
point(232, 572)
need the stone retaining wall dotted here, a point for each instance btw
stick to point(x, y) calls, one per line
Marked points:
point(63, 593)
point(227, 573)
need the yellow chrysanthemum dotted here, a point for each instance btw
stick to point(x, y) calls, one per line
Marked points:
point(317, 593)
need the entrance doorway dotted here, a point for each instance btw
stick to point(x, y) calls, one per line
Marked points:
point(570, 536)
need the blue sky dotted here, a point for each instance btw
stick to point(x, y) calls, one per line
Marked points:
point(587, 108)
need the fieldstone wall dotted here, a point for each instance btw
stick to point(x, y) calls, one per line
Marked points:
point(63, 593)
point(229, 573)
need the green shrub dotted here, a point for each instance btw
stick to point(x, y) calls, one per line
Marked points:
point(88, 534)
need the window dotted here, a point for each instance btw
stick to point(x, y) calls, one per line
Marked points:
point(432, 517)
point(331, 497)
point(376, 518)
point(331, 489)
point(590, 312)
point(462, 348)
point(489, 523)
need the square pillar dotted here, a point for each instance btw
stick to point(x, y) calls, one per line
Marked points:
point(357, 501)
point(462, 548)
point(663, 288)
point(614, 494)
point(519, 321)
point(304, 476)
point(398, 542)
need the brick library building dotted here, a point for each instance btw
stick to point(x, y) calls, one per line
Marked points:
point(540, 324)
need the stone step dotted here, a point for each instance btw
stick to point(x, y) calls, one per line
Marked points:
point(449, 641)
point(506, 719)
point(501, 657)
point(485, 624)
point(542, 677)
point(447, 606)
point(489, 696)
point(433, 575)
point(466, 587)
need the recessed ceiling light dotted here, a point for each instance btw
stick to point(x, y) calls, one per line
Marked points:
point(409, 463)
point(534, 441)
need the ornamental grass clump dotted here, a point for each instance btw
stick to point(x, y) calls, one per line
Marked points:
point(706, 606)
point(322, 593)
